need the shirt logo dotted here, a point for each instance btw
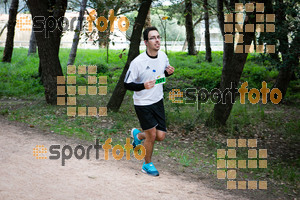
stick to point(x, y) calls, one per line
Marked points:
point(148, 67)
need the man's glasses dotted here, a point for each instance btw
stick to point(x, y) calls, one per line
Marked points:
point(154, 38)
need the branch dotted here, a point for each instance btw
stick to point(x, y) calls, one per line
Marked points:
point(227, 5)
point(198, 21)
point(5, 25)
point(89, 14)
point(135, 7)
point(21, 9)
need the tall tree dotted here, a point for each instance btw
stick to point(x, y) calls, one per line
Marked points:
point(9, 44)
point(119, 92)
point(48, 41)
point(32, 44)
point(148, 19)
point(5, 25)
point(5, 7)
point(233, 65)
point(78, 29)
point(189, 26)
point(102, 8)
point(287, 40)
point(185, 44)
point(207, 35)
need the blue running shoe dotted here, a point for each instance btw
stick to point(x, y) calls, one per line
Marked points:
point(150, 169)
point(136, 141)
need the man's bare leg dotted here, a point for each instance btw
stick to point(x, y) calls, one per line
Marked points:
point(150, 136)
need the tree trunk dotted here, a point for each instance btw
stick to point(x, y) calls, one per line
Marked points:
point(48, 43)
point(165, 31)
point(9, 44)
point(283, 79)
point(78, 29)
point(117, 97)
point(185, 41)
point(290, 60)
point(233, 64)
point(148, 20)
point(271, 37)
point(5, 25)
point(185, 44)
point(190, 36)
point(103, 36)
point(32, 44)
point(207, 35)
point(290, 53)
point(5, 7)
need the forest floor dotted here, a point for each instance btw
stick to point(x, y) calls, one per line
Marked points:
point(25, 177)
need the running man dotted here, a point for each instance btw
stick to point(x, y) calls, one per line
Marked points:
point(148, 96)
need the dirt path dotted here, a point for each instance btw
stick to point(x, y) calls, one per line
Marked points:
point(24, 177)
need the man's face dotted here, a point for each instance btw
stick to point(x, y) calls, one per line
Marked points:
point(153, 42)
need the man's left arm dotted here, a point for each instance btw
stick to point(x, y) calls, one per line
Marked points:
point(169, 71)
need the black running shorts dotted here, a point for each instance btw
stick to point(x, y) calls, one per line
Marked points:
point(152, 116)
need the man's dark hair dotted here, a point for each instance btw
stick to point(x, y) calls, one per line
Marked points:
point(147, 30)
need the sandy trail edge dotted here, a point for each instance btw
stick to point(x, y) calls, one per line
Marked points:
point(24, 177)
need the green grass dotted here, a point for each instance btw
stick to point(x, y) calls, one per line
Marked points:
point(190, 145)
point(20, 78)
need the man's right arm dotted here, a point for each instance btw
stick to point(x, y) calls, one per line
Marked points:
point(131, 77)
point(134, 86)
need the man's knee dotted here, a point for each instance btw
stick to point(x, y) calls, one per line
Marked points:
point(160, 136)
point(151, 134)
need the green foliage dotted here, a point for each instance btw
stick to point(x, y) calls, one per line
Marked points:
point(286, 35)
point(256, 74)
point(185, 161)
point(20, 78)
point(293, 92)
point(282, 171)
